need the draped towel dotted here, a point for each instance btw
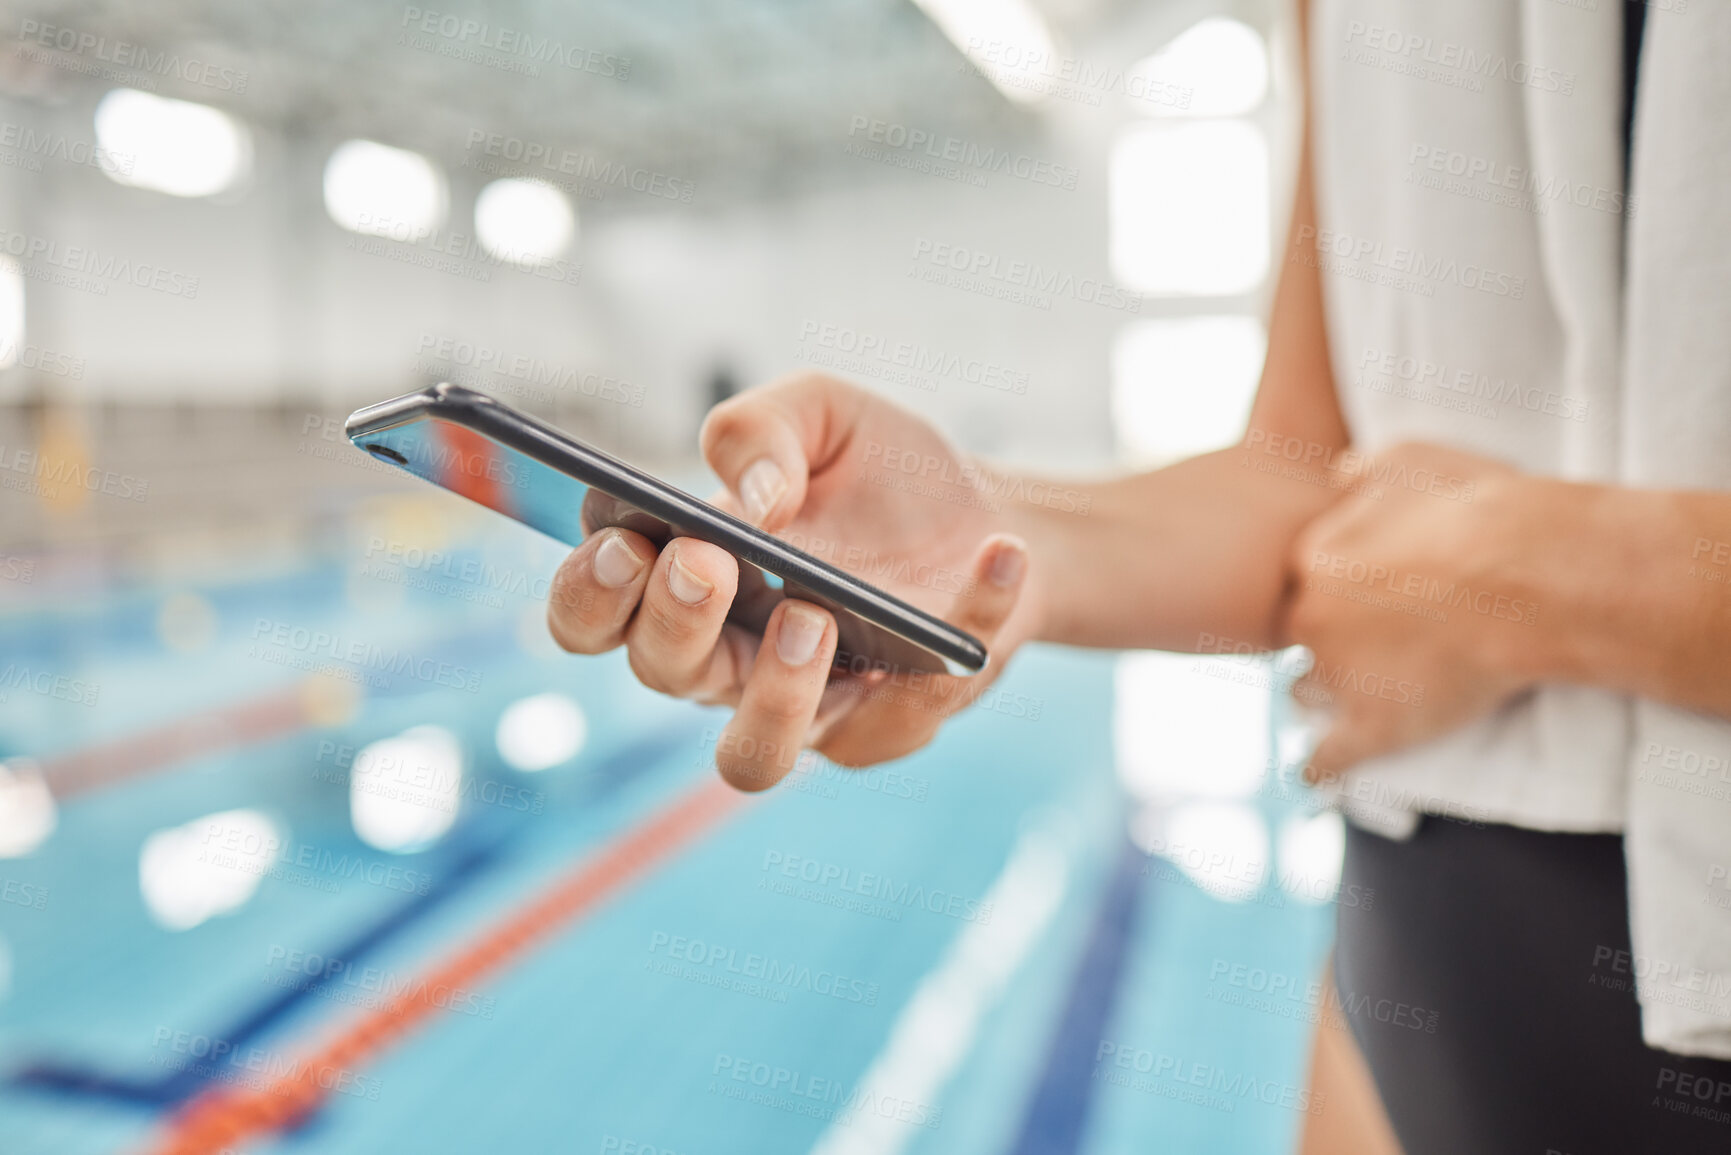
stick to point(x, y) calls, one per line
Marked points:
point(1482, 293)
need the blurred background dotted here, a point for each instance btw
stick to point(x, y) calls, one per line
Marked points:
point(309, 838)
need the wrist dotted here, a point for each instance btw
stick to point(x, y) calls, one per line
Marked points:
point(1522, 533)
point(1044, 558)
point(1583, 555)
point(1051, 517)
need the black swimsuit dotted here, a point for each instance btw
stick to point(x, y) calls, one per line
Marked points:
point(1509, 949)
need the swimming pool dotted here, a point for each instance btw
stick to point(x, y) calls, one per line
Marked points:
point(961, 952)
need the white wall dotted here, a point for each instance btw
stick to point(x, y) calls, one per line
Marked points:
point(286, 309)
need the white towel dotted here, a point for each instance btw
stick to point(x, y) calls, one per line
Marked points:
point(1594, 373)
point(1677, 433)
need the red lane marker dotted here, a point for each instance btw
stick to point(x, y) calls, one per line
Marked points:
point(254, 720)
point(222, 1118)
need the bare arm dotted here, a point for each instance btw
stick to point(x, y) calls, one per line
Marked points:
point(1158, 560)
point(1632, 588)
point(1201, 546)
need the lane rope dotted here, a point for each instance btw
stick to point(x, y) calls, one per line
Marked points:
point(222, 1118)
point(160, 747)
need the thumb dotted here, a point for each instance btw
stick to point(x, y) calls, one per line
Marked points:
point(766, 443)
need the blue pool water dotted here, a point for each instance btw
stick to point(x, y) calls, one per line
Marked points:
point(826, 943)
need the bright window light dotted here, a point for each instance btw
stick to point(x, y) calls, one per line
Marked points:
point(1221, 846)
point(27, 810)
point(540, 732)
point(525, 222)
point(209, 866)
point(1216, 67)
point(1190, 726)
point(11, 312)
point(404, 791)
point(1184, 385)
point(381, 191)
point(1310, 849)
point(174, 146)
point(1007, 40)
point(1189, 208)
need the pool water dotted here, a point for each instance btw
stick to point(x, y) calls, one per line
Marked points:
point(962, 952)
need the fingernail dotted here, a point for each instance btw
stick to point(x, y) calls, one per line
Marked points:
point(686, 586)
point(760, 487)
point(615, 564)
point(801, 631)
point(1007, 567)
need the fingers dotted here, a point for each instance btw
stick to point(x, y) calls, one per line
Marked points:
point(763, 740)
point(1351, 730)
point(596, 590)
point(672, 642)
point(900, 717)
point(765, 444)
point(1444, 457)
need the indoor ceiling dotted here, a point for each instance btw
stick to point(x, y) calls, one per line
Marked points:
point(739, 96)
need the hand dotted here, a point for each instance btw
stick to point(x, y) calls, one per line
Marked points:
point(863, 485)
point(1409, 594)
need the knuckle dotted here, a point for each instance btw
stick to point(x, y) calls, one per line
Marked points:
point(580, 621)
point(670, 625)
point(986, 606)
point(572, 602)
point(785, 702)
point(727, 421)
point(715, 427)
point(1312, 692)
point(570, 634)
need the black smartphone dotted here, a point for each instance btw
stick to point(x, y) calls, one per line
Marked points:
point(526, 469)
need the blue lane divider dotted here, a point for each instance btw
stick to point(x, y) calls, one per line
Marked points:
point(1063, 1097)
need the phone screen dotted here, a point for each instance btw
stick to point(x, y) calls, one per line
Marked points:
point(487, 473)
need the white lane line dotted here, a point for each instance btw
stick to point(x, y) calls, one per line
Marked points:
point(938, 1025)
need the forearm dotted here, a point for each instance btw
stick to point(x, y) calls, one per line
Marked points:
point(1161, 559)
point(1633, 589)
point(1201, 547)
